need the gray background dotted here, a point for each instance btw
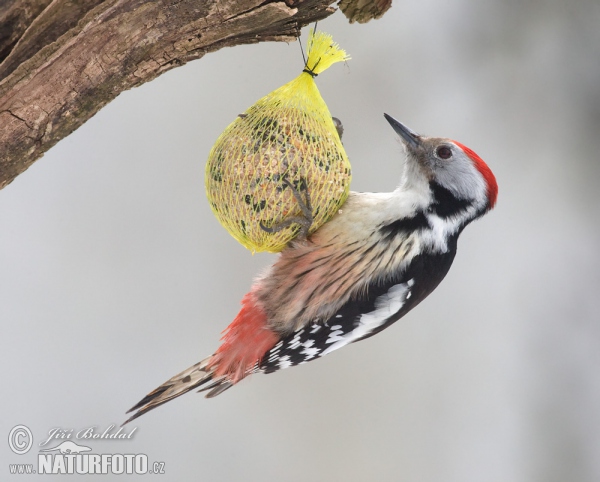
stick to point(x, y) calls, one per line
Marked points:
point(114, 274)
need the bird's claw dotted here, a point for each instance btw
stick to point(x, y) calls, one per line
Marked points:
point(305, 220)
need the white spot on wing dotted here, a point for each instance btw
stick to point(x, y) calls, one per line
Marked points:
point(410, 284)
point(284, 362)
point(295, 342)
point(309, 350)
point(385, 306)
point(335, 336)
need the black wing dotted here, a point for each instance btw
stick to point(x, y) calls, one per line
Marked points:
point(370, 312)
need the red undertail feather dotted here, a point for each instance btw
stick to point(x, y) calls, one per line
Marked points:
point(486, 172)
point(244, 342)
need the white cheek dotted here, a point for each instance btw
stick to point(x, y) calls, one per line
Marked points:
point(462, 178)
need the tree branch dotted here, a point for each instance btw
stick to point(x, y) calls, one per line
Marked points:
point(62, 61)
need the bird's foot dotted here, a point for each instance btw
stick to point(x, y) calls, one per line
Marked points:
point(339, 127)
point(305, 220)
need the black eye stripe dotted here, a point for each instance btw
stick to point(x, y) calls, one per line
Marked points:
point(444, 152)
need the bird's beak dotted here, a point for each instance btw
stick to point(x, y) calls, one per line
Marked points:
point(410, 137)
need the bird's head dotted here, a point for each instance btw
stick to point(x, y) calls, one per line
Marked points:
point(448, 166)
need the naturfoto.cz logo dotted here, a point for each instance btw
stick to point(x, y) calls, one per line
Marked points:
point(69, 457)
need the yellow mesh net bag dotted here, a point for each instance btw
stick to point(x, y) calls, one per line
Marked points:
point(281, 155)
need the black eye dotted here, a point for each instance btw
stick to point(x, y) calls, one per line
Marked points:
point(444, 152)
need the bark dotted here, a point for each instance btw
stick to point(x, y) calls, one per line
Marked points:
point(63, 60)
point(363, 11)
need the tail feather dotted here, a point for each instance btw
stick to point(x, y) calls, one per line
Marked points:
point(195, 376)
point(244, 343)
point(216, 388)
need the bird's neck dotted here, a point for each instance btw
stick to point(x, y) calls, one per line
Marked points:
point(433, 210)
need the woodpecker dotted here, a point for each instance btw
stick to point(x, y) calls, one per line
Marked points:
point(378, 258)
